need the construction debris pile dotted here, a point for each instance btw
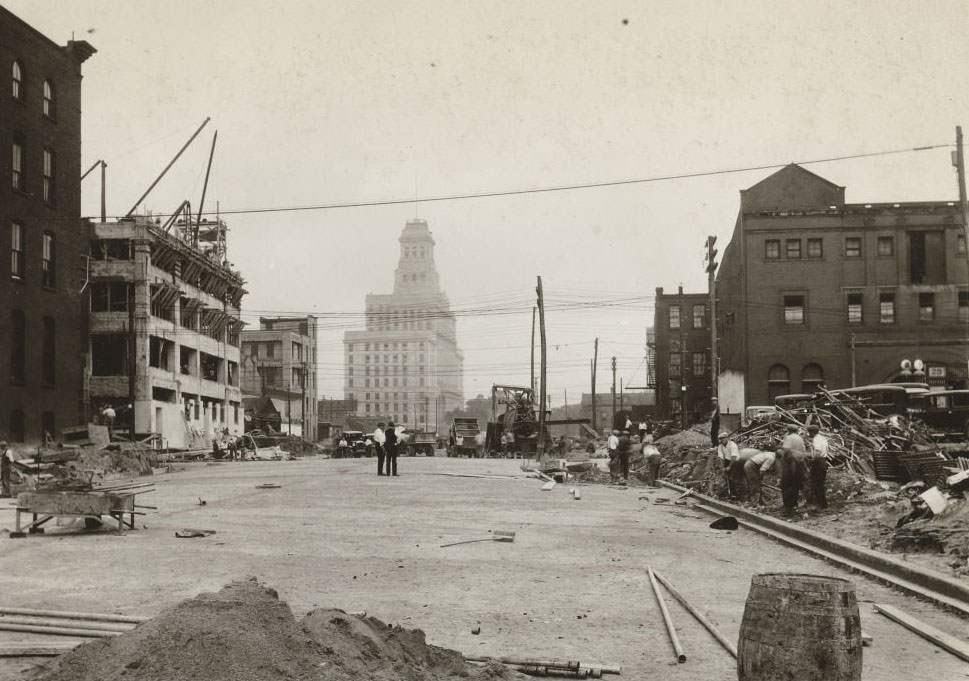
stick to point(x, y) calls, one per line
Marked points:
point(246, 633)
point(912, 492)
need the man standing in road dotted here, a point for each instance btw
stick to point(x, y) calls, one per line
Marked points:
point(653, 459)
point(792, 478)
point(612, 446)
point(625, 444)
point(390, 447)
point(817, 464)
point(379, 438)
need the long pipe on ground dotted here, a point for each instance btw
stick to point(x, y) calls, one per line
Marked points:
point(27, 612)
point(57, 631)
point(54, 622)
point(731, 648)
point(670, 629)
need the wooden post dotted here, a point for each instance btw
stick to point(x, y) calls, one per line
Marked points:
point(613, 424)
point(533, 349)
point(540, 446)
point(595, 364)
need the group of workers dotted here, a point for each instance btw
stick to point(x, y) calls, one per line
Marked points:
point(621, 445)
point(802, 465)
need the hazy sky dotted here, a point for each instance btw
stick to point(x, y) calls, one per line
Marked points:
point(335, 102)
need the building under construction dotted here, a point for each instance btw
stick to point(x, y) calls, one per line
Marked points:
point(164, 329)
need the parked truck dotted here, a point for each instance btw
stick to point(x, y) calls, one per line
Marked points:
point(420, 442)
point(465, 437)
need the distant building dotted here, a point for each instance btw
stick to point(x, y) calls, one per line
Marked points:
point(406, 366)
point(164, 330)
point(816, 291)
point(681, 347)
point(636, 404)
point(279, 361)
point(42, 321)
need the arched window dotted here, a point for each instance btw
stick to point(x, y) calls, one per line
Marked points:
point(778, 382)
point(17, 78)
point(812, 378)
point(49, 101)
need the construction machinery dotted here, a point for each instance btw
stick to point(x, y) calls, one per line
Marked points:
point(465, 437)
point(513, 429)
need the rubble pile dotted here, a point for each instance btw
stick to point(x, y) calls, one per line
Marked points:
point(245, 633)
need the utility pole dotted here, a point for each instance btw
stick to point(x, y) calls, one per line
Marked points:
point(613, 424)
point(621, 391)
point(533, 349)
point(712, 291)
point(595, 363)
point(565, 401)
point(959, 162)
point(302, 377)
point(540, 446)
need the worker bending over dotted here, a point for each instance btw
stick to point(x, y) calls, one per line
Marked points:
point(755, 465)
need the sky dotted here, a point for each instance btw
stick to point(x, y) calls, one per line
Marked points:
point(338, 102)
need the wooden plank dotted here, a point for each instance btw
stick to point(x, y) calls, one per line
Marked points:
point(54, 622)
point(56, 631)
point(64, 614)
point(954, 645)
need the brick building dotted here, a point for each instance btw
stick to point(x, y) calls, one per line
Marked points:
point(279, 361)
point(681, 352)
point(406, 365)
point(164, 330)
point(41, 320)
point(813, 290)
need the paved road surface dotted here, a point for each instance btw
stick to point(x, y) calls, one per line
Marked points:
point(573, 583)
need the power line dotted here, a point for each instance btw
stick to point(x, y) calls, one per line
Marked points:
point(562, 188)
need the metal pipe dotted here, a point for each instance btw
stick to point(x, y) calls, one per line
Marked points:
point(104, 617)
point(731, 648)
point(170, 164)
point(670, 629)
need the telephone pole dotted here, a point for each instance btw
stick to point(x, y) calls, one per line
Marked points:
point(595, 363)
point(613, 425)
point(959, 162)
point(533, 349)
point(540, 446)
point(712, 291)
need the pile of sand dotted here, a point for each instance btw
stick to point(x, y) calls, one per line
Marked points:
point(245, 633)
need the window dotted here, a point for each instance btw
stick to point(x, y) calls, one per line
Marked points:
point(270, 350)
point(794, 310)
point(674, 317)
point(778, 382)
point(852, 247)
point(699, 316)
point(675, 366)
point(16, 250)
point(793, 249)
point(109, 354)
point(772, 249)
point(815, 248)
point(48, 350)
point(699, 363)
point(886, 246)
point(964, 306)
point(926, 307)
point(17, 81)
point(886, 307)
point(50, 185)
point(109, 297)
point(18, 347)
point(927, 257)
point(49, 109)
point(49, 261)
point(812, 378)
point(855, 308)
point(961, 244)
point(17, 163)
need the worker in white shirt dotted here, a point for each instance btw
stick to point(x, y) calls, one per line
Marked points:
point(728, 453)
point(754, 468)
point(612, 445)
point(379, 438)
point(817, 464)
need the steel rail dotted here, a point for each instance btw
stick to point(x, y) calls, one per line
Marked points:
point(934, 586)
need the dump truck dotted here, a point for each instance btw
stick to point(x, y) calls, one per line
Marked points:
point(420, 442)
point(465, 437)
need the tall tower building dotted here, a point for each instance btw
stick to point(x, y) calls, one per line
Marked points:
point(406, 365)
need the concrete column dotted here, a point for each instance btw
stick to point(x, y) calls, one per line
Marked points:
point(141, 328)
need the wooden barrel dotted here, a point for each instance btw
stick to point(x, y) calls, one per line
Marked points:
point(799, 628)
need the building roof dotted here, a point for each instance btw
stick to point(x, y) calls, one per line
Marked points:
point(791, 188)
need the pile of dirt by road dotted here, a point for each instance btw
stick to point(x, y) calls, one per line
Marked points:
point(245, 633)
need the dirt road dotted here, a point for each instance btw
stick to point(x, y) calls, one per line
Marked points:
point(572, 584)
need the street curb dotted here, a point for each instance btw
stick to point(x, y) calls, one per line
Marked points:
point(927, 583)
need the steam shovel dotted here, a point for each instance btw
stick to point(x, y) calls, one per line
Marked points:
point(497, 535)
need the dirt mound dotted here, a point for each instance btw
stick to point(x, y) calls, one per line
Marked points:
point(245, 633)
